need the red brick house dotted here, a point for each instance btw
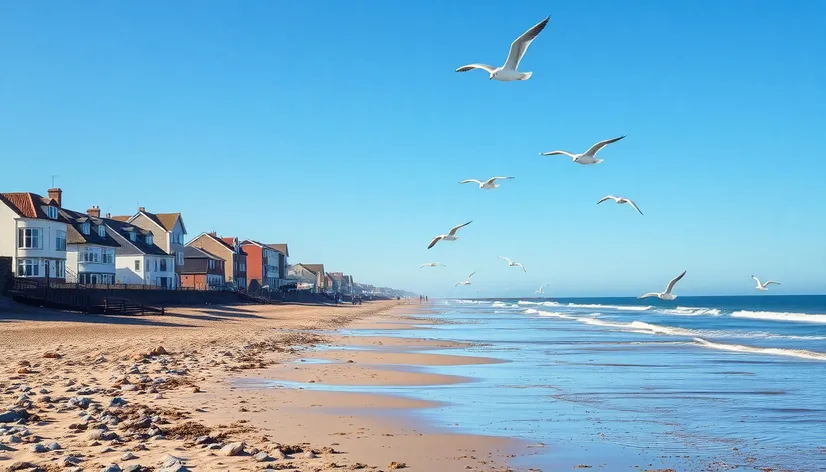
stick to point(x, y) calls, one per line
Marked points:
point(202, 270)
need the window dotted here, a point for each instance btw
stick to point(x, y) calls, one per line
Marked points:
point(177, 238)
point(92, 254)
point(180, 258)
point(102, 231)
point(60, 269)
point(133, 236)
point(148, 238)
point(108, 256)
point(163, 265)
point(28, 268)
point(211, 264)
point(138, 265)
point(85, 228)
point(155, 264)
point(51, 212)
point(29, 238)
point(60, 240)
point(108, 279)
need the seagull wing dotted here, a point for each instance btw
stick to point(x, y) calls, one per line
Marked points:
point(520, 265)
point(554, 153)
point(435, 240)
point(674, 282)
point(443, 265)
point(596, 147)
point(456, 228)
point(494, 179)
point(771, 282)
point(457, 284)
point(471, 275)
point(607, 197)
point(520, 44)
point(757, 280)
point(505, 259)
point(650, 294)
point(485, 67)
point(630, 202)
point(471, 180)
point(423, 265)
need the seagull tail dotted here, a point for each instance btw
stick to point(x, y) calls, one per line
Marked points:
point(526, 76)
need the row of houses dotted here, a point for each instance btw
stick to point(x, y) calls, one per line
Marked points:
point(47, 241)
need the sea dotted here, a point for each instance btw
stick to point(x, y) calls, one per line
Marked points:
point(694, 384)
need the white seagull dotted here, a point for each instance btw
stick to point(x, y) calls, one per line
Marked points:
point(667, 295)
point(589, 156)
point(466, 282)
point(509, 71)
point(450, 236)
point(764, 286)
point(488, 184)
point(621, 200)
point(541, 290)
point(432, 264)
point(511, 263)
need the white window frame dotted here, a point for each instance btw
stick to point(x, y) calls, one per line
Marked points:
point(33, 235)
point(93, 255)
point(32, 264)
point(51, 212)
point(86, 228)
point(137, 265)
point(149, 238)
point(60, 269)
point(102, 231)
point(133, 236)
point(108, 256)
point(60, 236)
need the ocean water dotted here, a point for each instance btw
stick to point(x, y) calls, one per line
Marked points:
point(695, 384)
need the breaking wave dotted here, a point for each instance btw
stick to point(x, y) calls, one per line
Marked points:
point(779, 316)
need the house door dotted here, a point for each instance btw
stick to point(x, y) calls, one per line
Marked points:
point(164, 282)
point(46, 268)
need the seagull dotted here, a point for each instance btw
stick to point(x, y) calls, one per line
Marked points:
point(511, 263)
point(450, 236)
point(667, 294)
point(541, 290)
point(620, 200)
point(508, 72)
point(432, 264)
point(589, 157)
point(762, 286)
point(466, 282)
point(488, 184)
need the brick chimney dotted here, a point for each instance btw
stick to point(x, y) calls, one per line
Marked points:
point(108, 215)
point(142, 209)
point(94, 211)
point(57, 195)
point(213, 234)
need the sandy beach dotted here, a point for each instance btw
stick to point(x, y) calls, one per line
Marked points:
point(188, 391)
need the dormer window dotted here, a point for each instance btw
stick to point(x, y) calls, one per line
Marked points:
point(51, 212)
point(133, 236)
point(148, 238)
point(86, 228)
point(102, 231)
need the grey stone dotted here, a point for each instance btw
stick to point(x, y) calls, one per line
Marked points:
point(95, 434)
point(168, 460)
point(39, 448)
point(278, 454)
point(79, 402)
point(15, 440)
point(128, 388)
point(233, 449)
point(214, 446)
point(43, 391)
point(261, 457)
point(174, 468)
point(133, 468)
point(111, 468)
point(109, 436)
point(128, 456)
point(309, 455)
point(87, 391)
point(203, 440)
point(117, 401)
point(54, 446)
point(70, 461)
point(9, 417)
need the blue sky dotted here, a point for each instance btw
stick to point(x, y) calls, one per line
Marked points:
point(342, 129)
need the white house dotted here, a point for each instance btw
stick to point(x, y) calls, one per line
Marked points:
point(91, 250)
point(138, 260)
point(168, 231)
point(33, 234)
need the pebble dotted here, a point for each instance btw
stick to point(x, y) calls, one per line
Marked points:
point(9, 417)
point(309, 455)
point(233, 449)
point(158, 351)
point(117, 401)
point(174, 468)
point(112, 468)
point(21, 466)
point(128, 388)
point(70, 461)
point(39, 448)
point(79, 402)
point(203, 440)
point(54, 446)
point(128, 457)
point(133, 468)
point(87, 391)
point(168, 460)
point(158, 396)
point(106, 450)
point(214, 446)
point(43, 391)
point(261, 457)
point(278, 454)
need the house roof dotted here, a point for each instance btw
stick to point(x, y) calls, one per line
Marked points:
point(29, 205)
point(314, 268)
point(336, 276)
point(165, 220)
point(75, 236)
point(122, 218)
point(193, 252)
point(222, 241)
point(120, 233)
point(282, 248)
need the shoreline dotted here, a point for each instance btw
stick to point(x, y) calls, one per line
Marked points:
point(128, 391)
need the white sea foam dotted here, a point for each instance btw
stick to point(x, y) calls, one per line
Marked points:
point(801, 353)
point(500, 305)
point(690, 311)
point(611, 307)
point(780, 316)
point(524, 302)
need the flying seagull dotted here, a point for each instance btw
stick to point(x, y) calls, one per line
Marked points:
point(450, 236)
point(509, 71)
point(511, 263)
point(466, 282)
point(589, 157)
point(541, 290)
point(488, 184)
point(764, 286)
point(620, 200)
point(667, 295)
point(432, 264)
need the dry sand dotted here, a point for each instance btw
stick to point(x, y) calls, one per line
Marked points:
point(185, 389)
